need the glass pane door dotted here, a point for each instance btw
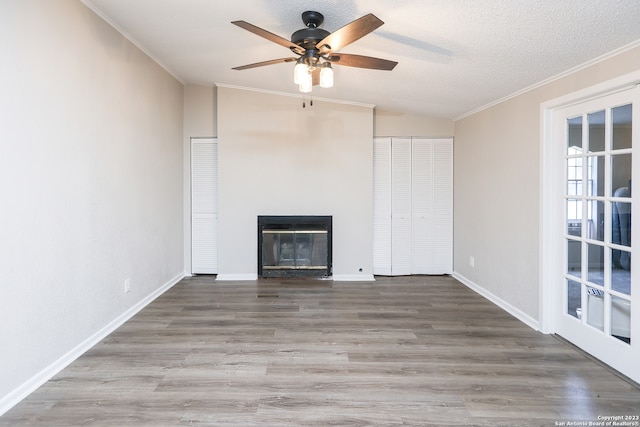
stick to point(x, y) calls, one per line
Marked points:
point(598, 273)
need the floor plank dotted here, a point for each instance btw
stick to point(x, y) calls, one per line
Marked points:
point(418, 350)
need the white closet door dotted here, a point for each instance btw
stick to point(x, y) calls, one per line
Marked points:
point(413, 206)
point(422, 194)
point(382, 206)
point(401, 206)
point(443, 206)
point(204, 206)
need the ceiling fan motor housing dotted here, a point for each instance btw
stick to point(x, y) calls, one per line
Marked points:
point(308, 37)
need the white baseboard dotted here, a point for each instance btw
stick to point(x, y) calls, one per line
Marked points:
point(236, 277)
point(353, 278)
point(515, 312)
point(14, 397)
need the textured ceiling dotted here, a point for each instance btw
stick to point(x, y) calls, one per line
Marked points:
point(454, 56)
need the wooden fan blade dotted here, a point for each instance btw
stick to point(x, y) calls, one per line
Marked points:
point(360, 61)
point(269, 36)
point(263, 63)
point(349, 33)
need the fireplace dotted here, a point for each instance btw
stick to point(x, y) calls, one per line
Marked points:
point(294, 246)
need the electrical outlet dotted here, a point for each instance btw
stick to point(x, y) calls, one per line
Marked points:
point(127, 286)
point(472, 261)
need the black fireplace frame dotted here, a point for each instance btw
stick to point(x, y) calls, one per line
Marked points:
point(296, 222)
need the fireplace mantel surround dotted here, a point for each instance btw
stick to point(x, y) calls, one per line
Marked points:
point(270, 164)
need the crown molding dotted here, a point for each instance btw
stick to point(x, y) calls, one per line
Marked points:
point(128, 36)
point(295, 95)
point(544, 82)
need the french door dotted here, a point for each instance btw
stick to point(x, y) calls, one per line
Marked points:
point(598, 286)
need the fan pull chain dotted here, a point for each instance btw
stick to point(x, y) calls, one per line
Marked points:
point(304, 104)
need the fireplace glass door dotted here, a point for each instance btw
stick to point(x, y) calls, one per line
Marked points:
point(298, 249)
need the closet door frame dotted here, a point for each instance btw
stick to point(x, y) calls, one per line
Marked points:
point(204, 206)
point(413, 214)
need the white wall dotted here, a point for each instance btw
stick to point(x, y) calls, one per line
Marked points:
point(91, 184)
point(277, 158)
point(497, 189)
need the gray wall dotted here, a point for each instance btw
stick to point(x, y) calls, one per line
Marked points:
point(277, 158)
point(497, 189)
point(91, 184)
point(389, 123)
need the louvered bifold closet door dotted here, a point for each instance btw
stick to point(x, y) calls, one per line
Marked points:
point(382, 206)
point(423, 211)
point(401, 206)
point(443, 206)
point(413, 206)
point(204, 206)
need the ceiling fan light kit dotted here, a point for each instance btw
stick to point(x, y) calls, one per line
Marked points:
point(306, 84)
point(299, 71)
point(317, 48)
point(326, 75)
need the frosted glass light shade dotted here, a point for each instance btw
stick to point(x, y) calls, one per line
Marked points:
point(306, 83)
point(326, 75)
point(299, 72)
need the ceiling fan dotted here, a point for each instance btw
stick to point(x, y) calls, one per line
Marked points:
point(317, 49)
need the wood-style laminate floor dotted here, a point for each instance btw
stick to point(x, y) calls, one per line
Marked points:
point(401, 351)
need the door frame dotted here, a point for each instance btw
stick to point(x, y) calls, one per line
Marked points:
point(189, 213)
point(552, 200)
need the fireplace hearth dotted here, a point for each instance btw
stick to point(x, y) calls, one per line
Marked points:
point(294, 246)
